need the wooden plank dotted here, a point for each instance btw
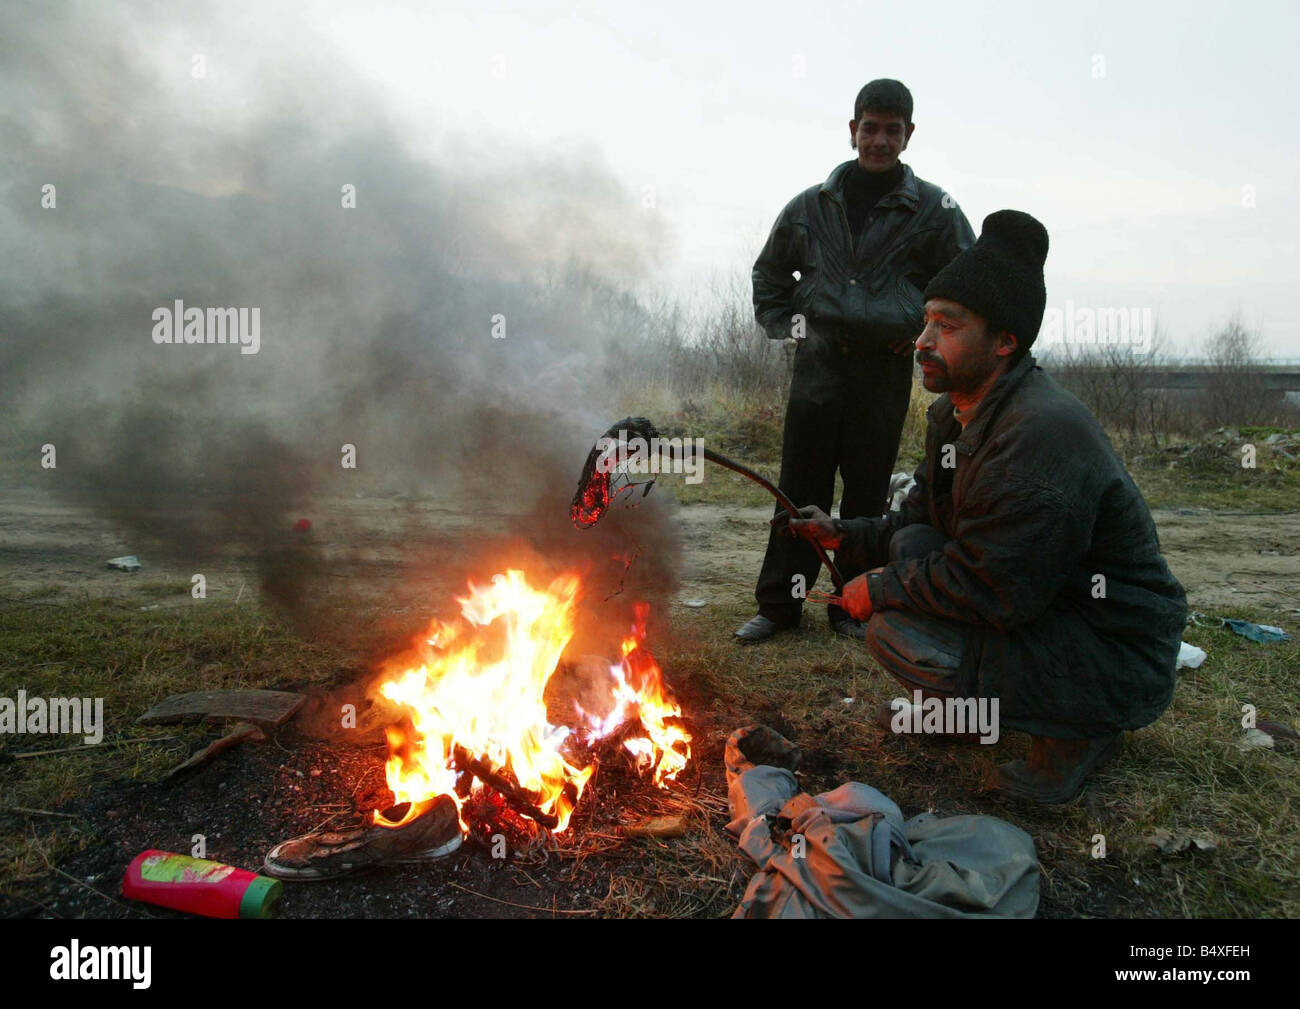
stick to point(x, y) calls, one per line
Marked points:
point(261, 707)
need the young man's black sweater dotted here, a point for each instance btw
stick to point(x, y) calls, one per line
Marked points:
point(863, 190)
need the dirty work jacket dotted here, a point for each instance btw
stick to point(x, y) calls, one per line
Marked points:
point(1053, 560)
point(858, 296)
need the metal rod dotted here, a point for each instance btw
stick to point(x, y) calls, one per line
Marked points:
point(781, 498)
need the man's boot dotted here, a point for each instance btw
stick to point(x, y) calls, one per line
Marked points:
point(1056, 768)
point(844, 625)
point(760, 628)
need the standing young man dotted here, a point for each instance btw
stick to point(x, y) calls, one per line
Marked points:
point(864, 244)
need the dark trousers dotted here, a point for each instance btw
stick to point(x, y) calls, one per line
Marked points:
point(845, 414)
point(922, 652)
point(1027, 668)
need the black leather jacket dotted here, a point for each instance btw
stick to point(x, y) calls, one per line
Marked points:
point(1053, 559)
point(866, 296)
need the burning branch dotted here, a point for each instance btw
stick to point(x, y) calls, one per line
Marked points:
point(503, 787)
point(477, 715)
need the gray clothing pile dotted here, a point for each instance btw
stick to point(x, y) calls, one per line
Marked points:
point(848, 853)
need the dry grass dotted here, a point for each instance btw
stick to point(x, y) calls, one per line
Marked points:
point(1207, 472)
point(56, 643)
point(1189, 472)
point(697, 875)
point(1186, 773)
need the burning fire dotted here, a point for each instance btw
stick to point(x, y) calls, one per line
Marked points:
point(592, 500)
point(639, 692)
point(476, 694)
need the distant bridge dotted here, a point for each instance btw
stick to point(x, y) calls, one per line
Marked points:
point(1278, 376)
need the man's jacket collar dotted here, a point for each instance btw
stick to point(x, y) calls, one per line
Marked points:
point(905, 194)
point(940, 412)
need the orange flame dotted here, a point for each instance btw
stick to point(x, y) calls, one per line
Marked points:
point(639, 692)
point(479, 684)
point(490, 704)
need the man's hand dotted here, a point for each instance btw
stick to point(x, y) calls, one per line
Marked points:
point(813, 524)
point(857, 597)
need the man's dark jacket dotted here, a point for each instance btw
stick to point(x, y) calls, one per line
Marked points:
point(849, 392)
point(1053, 559)
point(863, 293)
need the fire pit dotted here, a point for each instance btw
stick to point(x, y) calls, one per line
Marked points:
point(475, 722)
point(475, 738)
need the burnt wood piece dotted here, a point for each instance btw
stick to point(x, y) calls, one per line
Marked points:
point(659, 827)
point(614, 740)
point(267, 708)
point(632, 729)
point(241, 732)
point(512, 793)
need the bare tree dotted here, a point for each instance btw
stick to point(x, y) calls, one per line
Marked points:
point(1234, 392)
point(1113, 378)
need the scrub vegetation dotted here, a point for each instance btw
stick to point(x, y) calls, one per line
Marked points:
point(1187, 782)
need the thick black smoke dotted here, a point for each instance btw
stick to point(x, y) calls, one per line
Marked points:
point(380, 326)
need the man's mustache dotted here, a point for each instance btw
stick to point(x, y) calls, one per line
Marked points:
point(929, 359)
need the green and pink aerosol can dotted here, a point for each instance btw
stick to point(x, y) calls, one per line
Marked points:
point(199, 886)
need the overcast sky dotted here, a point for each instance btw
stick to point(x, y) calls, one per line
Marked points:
point(1132, 130)
point(1156, 142)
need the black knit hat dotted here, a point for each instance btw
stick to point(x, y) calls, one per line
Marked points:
point(1000, 276)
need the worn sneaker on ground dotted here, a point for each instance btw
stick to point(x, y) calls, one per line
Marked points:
point(329, 854)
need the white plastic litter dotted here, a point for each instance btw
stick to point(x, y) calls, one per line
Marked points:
point(128, 563)
point(899, 486)
point(1256, 739)
point(1189, 656)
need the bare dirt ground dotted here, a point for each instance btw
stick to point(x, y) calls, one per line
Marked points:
point(1235, 561)
point(46, 542)
point(1223, 559)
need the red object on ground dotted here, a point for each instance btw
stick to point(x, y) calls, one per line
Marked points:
point(302, 525)
point(199, 886)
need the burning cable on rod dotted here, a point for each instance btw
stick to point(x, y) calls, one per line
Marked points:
point(602, 480)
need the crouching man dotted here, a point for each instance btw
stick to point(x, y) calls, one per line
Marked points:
point(1024, 564)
